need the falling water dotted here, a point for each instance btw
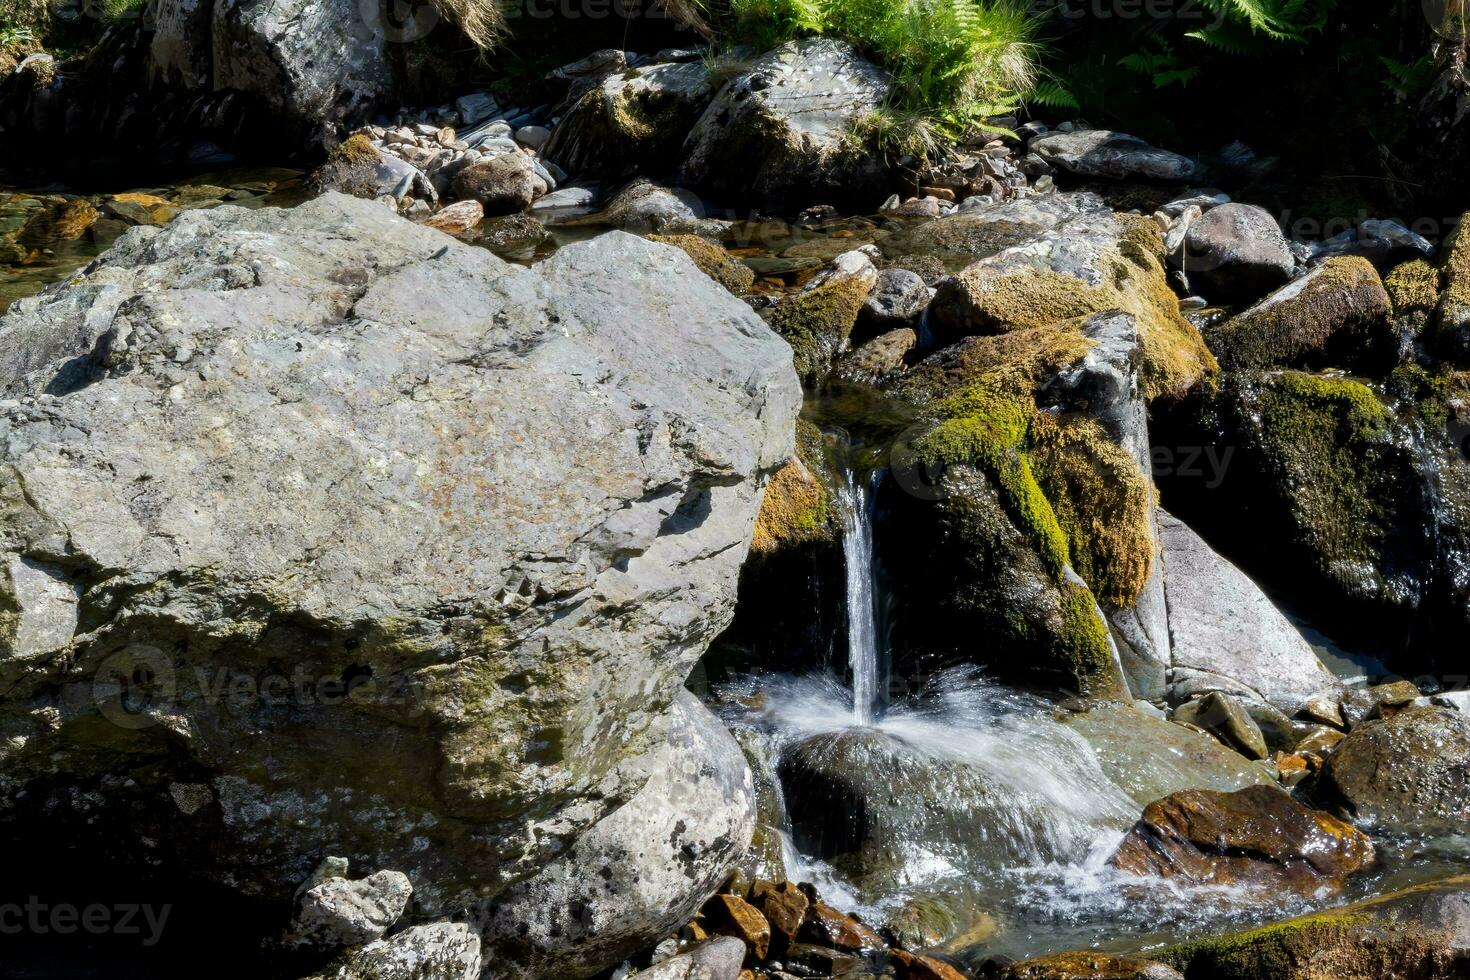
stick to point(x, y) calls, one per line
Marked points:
point(862, 615)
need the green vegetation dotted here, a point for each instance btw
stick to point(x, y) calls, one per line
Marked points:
point(955, 63)
point(1160, 52)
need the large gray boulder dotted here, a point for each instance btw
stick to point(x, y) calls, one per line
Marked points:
point(780, 133)
point(1236, 253)
point(314, 65)
point(640, 873)
point(1226, 635)
point(344, 538)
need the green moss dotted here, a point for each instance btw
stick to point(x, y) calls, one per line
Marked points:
point(1102, 501)
point(355, 150)
point(797, 506)
point(713, 261)
point(1413, 286)
point(1323, 444)
point(986, 299)
point(1454, 303)
point(1023, 300)
point(818, 323)
point(1085, 646)
point(985, 427)
point(1277, 950)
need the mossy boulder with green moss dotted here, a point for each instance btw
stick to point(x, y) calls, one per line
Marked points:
point(713, 261)
point(818, 323)
point(1422, 932)
point(1087, 264)
point(633, 122)
point(1337, 315)
point(1005, 503)
point(1452, 327)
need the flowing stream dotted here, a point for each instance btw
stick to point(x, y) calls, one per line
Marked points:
point(862, 609)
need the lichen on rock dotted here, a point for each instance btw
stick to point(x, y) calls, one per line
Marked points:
point(713, 261)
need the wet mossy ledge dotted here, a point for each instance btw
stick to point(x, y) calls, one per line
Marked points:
point(713, 261)
point(1092, 263)
point(1080, 505)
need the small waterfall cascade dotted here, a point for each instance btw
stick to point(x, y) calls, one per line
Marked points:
point(862, 612)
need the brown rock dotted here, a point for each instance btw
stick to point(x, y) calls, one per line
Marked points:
point(878, 358)
point(943, 193)
point(504, 185)
point(825, 926)
point(1368, 703)
point(1294, 768)
point(74, 218)
point(1324, 709)
point(1089, 966)
point(1257, 836)
point(1225, 718)
point(730, 915)
point(783, 905)
point(911, 966)
point(458, 218)
point(822, 961)
point(1320, 741)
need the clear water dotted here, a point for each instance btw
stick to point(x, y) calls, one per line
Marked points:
point(1016, 824)
point(862, 610)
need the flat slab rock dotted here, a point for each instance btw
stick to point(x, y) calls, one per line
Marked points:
point(509, 505)
point(1102, 153)
point(1226, 635)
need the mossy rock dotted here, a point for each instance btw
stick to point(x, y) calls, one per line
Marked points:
point(1453, 328)
point(1327, 490)
point(1024, 502)
point(798, 507)
point(1103, 502)
point(1416, 933)
point(817, 324)
point(1413, 287)
point(713, 261)
point(1335, 315)
point(1103, 265)
point(1000, 539)
point(632, 122)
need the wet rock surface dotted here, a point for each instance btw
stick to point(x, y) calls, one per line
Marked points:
point(1408, 774)
point(1256, 837)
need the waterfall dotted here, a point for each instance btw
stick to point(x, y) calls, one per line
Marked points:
point(862, 613)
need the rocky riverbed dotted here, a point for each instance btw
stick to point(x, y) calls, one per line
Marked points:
point(643, 532)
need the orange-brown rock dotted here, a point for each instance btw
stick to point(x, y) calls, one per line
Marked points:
point(457, 218)
point(783, 905)
point(1089, 965)
point(1255, 836)
point(912, 966)
point(730, 915)
point(74, 218)
point(825, 926)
